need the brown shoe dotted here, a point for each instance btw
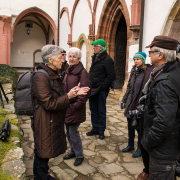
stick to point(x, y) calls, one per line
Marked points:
point(143, 176)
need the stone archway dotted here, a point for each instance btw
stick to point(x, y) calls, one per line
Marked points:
point(34, 54)
point(79, 43)
point(111, 14)
point(172, 24)
point(38, 13)
point(42, 30)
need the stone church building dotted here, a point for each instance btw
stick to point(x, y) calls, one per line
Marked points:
point(127, 26)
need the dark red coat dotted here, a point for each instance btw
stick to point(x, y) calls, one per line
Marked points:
point(76, 113)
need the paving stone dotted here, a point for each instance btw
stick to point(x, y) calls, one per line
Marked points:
point(92, 146)
point(57, 160)
point(14, 127)
point(98, 176)
point(133, 168)
point(120, 139)
point(111, 128)
point(106, 133)
point(100, 147)
point(97, 159)
point(110, 157)
point(113, 120)
point(29, 163)
point(65, 174)
point(28, 151)
point(127, 157)
point(120, 177)
point(25, 126)
point(89, 153)
point(110, 169)
point(84, 168)
point(86, 142)
point(101, 142)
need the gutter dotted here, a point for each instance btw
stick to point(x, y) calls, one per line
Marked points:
point(141, 25)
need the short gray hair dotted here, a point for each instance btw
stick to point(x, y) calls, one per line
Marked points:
point(75, 50)
point(50, 51)
point(169, 55)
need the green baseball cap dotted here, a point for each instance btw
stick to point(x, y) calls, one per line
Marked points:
point(100, 42)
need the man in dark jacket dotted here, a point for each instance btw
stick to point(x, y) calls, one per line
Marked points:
point(101, 75)
point(162, 119)
point(65, 65)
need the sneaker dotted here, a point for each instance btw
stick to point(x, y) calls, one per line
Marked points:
point(78, 161)
point(92, 133)
point(128, 148)
point(137, 153)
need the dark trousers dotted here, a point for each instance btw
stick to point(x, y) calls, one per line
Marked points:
point(160, 169)
point(74, 139)
point(131, 134)
point(40, 169)
point(144, 153)
point(97, 105)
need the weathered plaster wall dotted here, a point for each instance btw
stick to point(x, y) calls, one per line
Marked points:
point(64, 31)
point(14, 8)
point(82, 20)
point(51, 36)
point(83, 51)
point(24, 45)
point(156, 13)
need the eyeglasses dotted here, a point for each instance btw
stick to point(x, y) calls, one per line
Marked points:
point(150, 52)
point(63, 54)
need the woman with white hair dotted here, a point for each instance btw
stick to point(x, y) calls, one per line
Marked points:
point(51, 103)
point(76, 113)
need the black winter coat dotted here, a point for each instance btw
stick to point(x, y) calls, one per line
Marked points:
point(101, 73)
point(161, 135)
point(133, 87)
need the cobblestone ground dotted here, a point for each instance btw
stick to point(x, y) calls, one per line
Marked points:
point(103, 158)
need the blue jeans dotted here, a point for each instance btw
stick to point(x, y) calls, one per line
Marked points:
point(97, 105)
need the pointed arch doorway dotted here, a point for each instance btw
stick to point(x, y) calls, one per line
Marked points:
point(113, 29)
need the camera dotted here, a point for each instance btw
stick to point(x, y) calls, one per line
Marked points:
point(138, 112)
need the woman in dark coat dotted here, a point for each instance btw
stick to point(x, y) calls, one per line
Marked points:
point(76, 113)
point(133, 87)
point(49, 116)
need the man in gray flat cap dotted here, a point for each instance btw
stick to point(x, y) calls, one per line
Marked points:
point(161, 135)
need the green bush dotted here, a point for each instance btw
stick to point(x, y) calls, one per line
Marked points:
point(8, 75)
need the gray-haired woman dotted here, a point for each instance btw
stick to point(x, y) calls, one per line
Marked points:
point(76, 113)
point(49, 135)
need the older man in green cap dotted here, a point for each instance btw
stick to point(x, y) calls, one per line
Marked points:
point(101, 75)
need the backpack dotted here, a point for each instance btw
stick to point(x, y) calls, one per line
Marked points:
point(24, 101)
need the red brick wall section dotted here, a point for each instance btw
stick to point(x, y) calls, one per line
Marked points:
point(135, 12)
point(5, 39)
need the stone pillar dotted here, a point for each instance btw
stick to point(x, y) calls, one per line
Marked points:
point(135, 21)
point(5, 39)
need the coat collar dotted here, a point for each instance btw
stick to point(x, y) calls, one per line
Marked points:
point(100, 57)
point(76, 69)
point(51, 73)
